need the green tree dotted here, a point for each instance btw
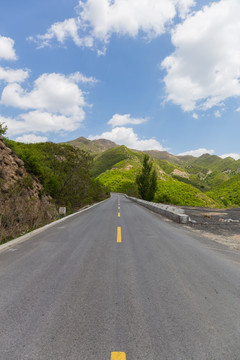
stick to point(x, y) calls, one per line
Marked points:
point(3, 129)
point(147, 180)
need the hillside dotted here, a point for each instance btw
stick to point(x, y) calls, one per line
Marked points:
point(36, 179)
point(163, 155)
point(110, 158)
point(204, 173)
point(117, 169)
point(63, 170)
point(23, 203)
point(227, 193)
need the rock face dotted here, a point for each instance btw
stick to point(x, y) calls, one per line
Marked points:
point(23, 204)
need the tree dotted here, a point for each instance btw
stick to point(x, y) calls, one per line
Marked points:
point(3, 129)
point(147, 180)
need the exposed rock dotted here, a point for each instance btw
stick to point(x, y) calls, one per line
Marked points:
point(180, 173)
point(23, 204)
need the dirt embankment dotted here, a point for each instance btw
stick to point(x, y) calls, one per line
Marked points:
point(23, 203)
point(221, 225)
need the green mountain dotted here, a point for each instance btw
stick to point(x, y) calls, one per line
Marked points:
point(227, 193)
point(23, 203)
point(64, 172)
point(207, 180)
point(163, 155)
point(45, 176)
point(94, 147)
point(204, 172)
point(109, 159)
point(117, 169)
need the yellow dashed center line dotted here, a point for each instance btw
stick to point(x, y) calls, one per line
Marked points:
point(119, 214)
point(118, 356)
point(119, 234)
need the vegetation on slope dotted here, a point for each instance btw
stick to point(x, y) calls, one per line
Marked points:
point(23, 203)
point(67, 172)
point(119, 181)
point(178, 193)
point(64, 172)
point(111, 157)
point(195, 181)
point(121, 177)
point(228, 193)
point(214, 162)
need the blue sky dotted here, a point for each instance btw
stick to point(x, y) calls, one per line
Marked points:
point(150, 74)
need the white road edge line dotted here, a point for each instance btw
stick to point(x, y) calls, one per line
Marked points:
point(43, 228)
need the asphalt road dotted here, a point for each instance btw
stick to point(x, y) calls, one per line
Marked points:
point(98, 287)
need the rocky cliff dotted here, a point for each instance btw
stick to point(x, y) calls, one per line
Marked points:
point(23, 202)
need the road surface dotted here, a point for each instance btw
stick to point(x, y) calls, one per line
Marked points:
point(119, 282)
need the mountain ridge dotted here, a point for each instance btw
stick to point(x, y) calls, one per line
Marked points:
point(100, 145)
point(202, 178)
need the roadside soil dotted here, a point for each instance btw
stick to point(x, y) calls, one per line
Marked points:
point(221, 225)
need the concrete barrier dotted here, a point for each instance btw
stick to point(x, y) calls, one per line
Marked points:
point(169, 211)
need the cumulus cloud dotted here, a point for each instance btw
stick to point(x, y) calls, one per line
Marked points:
point(197, 152)
point(40, 122)
point(97, 20)
point(55, 104)
point(195, 116)
point(204, 69)
point(121, 120)
point(55, 93)
point(7, 51)
point(11, 76)
point(62, 31)
point(31, 139)
point(235, 156)
point(217, 114)
point(126, 136)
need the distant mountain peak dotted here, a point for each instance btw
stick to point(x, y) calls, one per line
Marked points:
point(95, 147)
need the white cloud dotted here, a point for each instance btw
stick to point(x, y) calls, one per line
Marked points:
point(55, 93)
point(121, 120)
point(197, 152)
point(97, 20)
point(126, 136)
point(80, 78)
point(40, 122)
point(31, 139)
point(11, 76)
point(217, 114)
point(195, 116)
point(232, 155)
point(204, 70)
point(55, 104)
point(62, 31)
point(7, 51)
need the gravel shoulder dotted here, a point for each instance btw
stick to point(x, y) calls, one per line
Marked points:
point(220, 225)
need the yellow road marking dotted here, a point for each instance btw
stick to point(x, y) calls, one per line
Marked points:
point(119, 214)
point(119, 234)
point(118, 356)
